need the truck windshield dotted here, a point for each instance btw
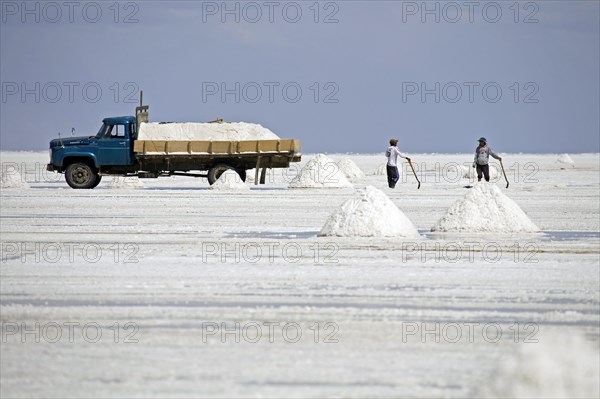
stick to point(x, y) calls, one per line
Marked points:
point(104, 131)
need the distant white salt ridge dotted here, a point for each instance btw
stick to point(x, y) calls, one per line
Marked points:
point(229, 180)
point(189, 131)
point(565, 159)
point(12, 181)
point(485, 209)
point(320, 172)
point(370, 213)
point(558, 366)
point(351, 170)
point(124, 183)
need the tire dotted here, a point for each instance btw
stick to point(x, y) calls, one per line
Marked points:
point(216, 171)
point(242, 173)
point(97, 181)
point(80, 175)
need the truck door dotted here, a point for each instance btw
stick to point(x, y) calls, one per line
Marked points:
point(115, 146)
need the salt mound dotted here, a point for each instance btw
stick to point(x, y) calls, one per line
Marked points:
point(566, 159)
point(560, 366)
point(320, 172)
point(229, 180)
point(12, 180)
point(232, 131)
point(370, 213)
point(485, 209)
point(381, 170)
point(350, 169)
point(469, 172)
point(124, 182)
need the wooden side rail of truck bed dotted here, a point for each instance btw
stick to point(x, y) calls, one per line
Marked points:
point(167, 147)
point(178, 157)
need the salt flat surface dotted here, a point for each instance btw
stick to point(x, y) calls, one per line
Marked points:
point(183, 264)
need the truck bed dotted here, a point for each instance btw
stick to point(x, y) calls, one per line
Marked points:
point(211, 148)
point(173, 156)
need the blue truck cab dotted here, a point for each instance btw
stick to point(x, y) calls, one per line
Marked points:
point(83, 159)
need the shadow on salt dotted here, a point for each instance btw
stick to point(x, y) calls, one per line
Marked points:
point(274, 234)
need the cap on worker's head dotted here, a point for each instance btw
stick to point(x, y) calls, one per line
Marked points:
point(483, 139)
point(393, 141)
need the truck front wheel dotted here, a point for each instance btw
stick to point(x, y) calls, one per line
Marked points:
point(81, 175)
point(98, 180)
point(216, 171)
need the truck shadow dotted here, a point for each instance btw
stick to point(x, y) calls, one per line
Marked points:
point(273, 234)
point(103, 189)
point(252, 188)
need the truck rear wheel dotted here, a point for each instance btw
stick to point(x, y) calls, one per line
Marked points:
point(80, 175)
point(216, 171)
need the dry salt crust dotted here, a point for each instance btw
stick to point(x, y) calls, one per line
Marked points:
point(228, 131)
point(558, 366)
point(566, 159)
point(229, 180)
point(485, 209)
point(350, 170)
point(124, 183)
point(370, 292)
point(370, 213)
point(320, 172)
point(12, 180)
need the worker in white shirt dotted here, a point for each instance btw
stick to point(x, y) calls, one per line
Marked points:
point(392, 154)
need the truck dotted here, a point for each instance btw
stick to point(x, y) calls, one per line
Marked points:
point(116, 150)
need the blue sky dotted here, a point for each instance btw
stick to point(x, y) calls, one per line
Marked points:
point(341, 76)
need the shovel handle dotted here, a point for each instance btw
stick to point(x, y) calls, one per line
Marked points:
point(504, 173)
point(414, 173)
